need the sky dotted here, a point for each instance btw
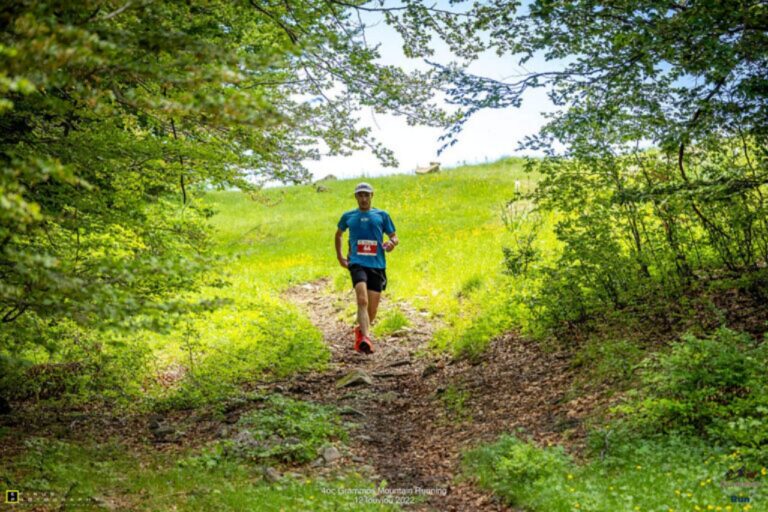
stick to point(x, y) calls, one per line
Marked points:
point(487, 136)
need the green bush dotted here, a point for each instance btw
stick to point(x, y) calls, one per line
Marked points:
point(713, 387)
point(661, 474)
point(612, 361)
point(81, 366)
point(512, 467)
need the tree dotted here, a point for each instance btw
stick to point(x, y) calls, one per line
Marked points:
point(114, 114)
point(662, 123)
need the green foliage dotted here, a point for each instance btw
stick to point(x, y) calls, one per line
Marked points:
point(470, 285)
point(302, 428)
point(259, 337)
point(488, 314)
point(714, 387)
point(610, 361)
point(454, 400)
point(662, 474)
point(114, 118)
point(658, 171)
point(523, 224)
point(110, 475)
point(86, 371)
point(515, 468)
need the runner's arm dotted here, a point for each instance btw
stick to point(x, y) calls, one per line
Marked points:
point(392, 242)
point(337, 241)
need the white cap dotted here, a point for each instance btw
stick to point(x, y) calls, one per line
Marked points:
point(363, 187)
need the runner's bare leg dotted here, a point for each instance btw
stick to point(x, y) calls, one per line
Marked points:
point(373, 305)
point(361, 290)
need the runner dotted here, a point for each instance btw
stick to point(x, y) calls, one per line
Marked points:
point(365, 259)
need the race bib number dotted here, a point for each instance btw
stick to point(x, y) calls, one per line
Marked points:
point(367, 247)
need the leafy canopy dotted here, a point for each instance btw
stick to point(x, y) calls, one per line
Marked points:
point(114, 115)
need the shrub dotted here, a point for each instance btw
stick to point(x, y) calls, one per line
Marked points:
point(713, 387)
point(512, 467)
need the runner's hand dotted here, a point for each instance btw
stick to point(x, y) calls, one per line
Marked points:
point(344, 262)
point(388, 246)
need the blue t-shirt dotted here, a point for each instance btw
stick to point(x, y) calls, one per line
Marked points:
point(366, 234)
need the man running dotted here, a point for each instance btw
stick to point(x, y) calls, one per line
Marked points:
point(365, 259)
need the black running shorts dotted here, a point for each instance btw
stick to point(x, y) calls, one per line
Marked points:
point(375, 278)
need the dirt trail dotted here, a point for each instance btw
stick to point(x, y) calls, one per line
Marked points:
point(420, 413)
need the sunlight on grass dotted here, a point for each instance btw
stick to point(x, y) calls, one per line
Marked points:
point(449, 261)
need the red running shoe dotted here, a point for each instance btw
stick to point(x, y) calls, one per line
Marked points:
point(365, 345)
point(358, 335)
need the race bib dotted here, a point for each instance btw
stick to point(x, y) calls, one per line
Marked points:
point(367, 247)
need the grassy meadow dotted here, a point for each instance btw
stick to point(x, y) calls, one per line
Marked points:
point(449, 263)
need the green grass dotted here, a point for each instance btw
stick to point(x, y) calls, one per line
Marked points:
point(671, 474)
point(391, 321)
point(110, 476)
point(303, 428)
point(449, 261)
point(259, 337)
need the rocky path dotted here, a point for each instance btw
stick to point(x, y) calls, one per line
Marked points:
point(417, 413)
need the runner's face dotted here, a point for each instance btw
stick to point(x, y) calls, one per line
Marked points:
point(364, 200)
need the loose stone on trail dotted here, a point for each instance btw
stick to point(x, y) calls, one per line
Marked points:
point(330, 454)
point(354, 378)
